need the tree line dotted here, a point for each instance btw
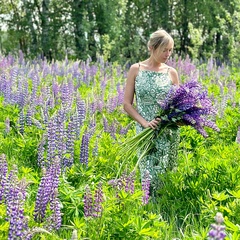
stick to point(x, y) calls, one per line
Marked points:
point(119, 30)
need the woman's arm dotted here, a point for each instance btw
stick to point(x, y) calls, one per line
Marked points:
point(174, 76)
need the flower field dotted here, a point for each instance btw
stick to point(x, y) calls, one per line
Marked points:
point(61, 174)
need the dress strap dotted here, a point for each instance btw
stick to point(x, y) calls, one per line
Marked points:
point(139, 65)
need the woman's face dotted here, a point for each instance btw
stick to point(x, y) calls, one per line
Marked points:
point(161, 55)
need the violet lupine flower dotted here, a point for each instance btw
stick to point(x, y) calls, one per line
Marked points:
point(105, 124)
point(81, 114)
point(92, 127)
point(112, 104)
point(15, 195)
point(41, 150)
point(112, 130)
point(46, 191)
point(98, 199)
point(16, 217)
point(190, 105)
point(52, 140)
point(125, 182)
point(21, 121)
point(3, 175)
point(238, 135)
point(29, 115)
point(124, 130)
point(88, 202)
point(217, 231)
point(71, 136)
point(84, 152)
point(38, 124)
point(146, 187)
point(65, 95)
point(54, 221)
point(61, 135)
point(120, 96)
point(130, 182)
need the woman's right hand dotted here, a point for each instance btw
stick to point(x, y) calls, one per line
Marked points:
point(153, 124)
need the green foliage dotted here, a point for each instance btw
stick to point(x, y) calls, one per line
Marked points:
point(54, 29)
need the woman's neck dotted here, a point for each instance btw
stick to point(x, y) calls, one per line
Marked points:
point(152, 63)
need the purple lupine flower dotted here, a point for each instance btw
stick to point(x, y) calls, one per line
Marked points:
point(15, 195)
point(130, 182)
point(88, 202)
point(146, 187)
point(120, 96)
point(217, 231)
point(84, 152)
point(65, 95)
point(112, 130)
point(92, 127)
point(81, 110)
point(71, 136)
point(238, 135)
point(46, 191)
point(3, 175)
point(52, 140)
point(16, 217)
point(125, 182)
point(112, 104)
point(105, 124)
point(38, 124)
point(41, 149)
point(21, 121)
point(98, 199)
point(61, 135)
point(54, 221)
point(124, 130)
point(29, 115)
point(190, 105)
point(43, 196)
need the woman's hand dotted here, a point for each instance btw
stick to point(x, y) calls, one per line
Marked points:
point(153, 124)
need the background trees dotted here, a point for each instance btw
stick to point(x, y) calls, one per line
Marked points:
point(118, 29)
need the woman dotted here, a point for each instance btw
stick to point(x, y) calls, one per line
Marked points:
point(150, 81)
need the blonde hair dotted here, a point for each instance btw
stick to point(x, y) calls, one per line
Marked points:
point(159, 39)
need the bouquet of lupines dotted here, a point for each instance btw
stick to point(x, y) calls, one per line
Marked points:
point(187, 104)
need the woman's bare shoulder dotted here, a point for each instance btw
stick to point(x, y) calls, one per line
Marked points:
point(134, 68)
point(174, 75)
point(172, 69)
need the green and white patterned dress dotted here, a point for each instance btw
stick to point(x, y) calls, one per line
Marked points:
point(151, 87)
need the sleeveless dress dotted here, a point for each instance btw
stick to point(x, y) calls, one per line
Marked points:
point(151, 87)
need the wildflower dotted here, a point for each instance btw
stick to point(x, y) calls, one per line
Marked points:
point(3, 175)
point(47, 189)
point(88, 202)
point(98, 199)
point(84, 149)
point(217, 231)
point(146, 187)
point(130, 182)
